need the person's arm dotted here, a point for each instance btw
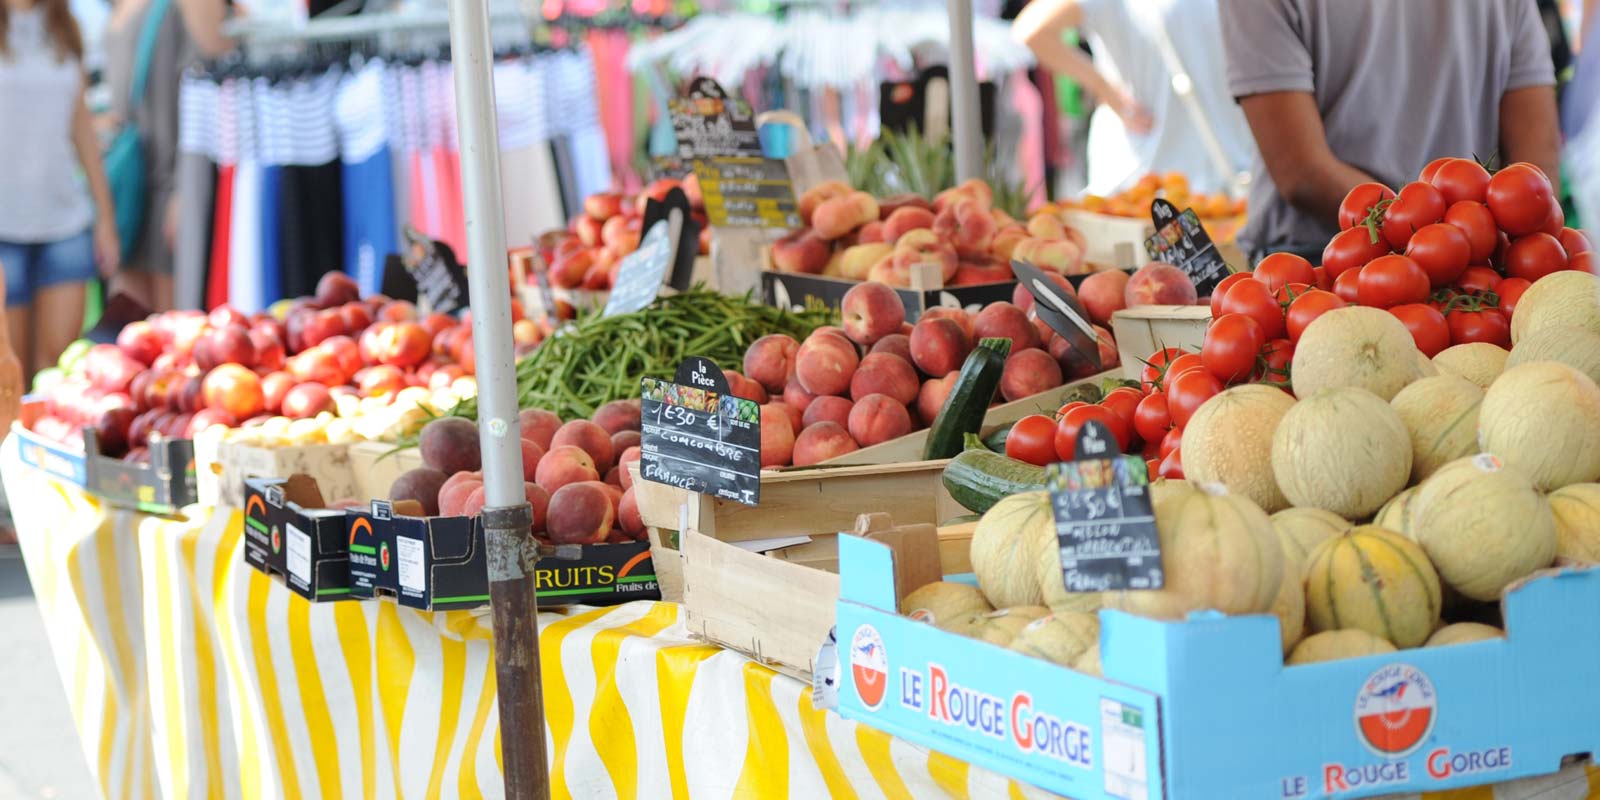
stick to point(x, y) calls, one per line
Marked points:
point(12, 381)
point(1530, 128)
point(1041, 27)
point(107, 247)
point(203, 20)
point(1294, 146)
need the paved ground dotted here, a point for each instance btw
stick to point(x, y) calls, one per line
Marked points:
point(39, 752)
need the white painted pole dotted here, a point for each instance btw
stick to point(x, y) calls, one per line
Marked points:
point(967, 125)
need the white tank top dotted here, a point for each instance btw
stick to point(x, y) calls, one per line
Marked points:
point(42, 194)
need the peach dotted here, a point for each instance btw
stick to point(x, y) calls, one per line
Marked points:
point(870, 233)
point(1028, 373)
point(800, 251)
point(821, 442)
point(890, 273)
point(904, 221)
point(629, 456)
point(777, 436)
point(628, 517)
point(967, 226)
point(618, 415)
point(1042, 328)
point(925, 247)
point(877, 418)
point(473, 505)
point(790, 412)
point(938, 346)
point(1001, 218)
point(580, 513)
point(1074, 367)
point(613, 492)
point(592, 438)
point(896, 343)
point(740, 386)
point(450, 445)
point(931, 397)
point(817, 195)
point(421, 485)
point(622, 440)
point(886, 374)
point(838, 216)
point(538, 425)
point(966, 191)
point(1023, 299)
point(957, 315)
point(1005, 241)
point(563, 465)
point(1158, 284)
point(835, 266)
point(603, 205)
point(453, 494)
point(539, 500)
point(825, 364)
point(532, 452)
point(888, 205)
point(827, 409)
point(1047, 226)
point(870, 312)
point(1061, 256)
point(1005, 321)
point(769, 361)
point(567, 272)
point(855, 262)
point(981, 273)
point(1108, 348)
point(1102, 294)
point(796, 396)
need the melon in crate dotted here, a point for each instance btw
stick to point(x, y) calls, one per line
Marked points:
point(1229, 441)
point(1011, 544)
point(1354, 346)
point(1577, 513)
point(1568, 297)
point(1335, 645)
point(942, 603)
point(1374, 580)
point(1061, 638)
point(1484, 525)
point(1342, 450)
point(1479, 362)
point(1544, 419)
point(1441, 414)
point(1463, 632)
point(1576, 347)
point(1300, 530)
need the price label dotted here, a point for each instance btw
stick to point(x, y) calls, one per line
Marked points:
point(747, 192)
point(697, 436)
point(1180, 240)
point(640, 275)
point(708, 123)
point(441, 282)
point(1105, 525)
point(1062, 312)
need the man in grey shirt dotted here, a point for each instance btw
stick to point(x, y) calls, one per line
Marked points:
point(1341, 92)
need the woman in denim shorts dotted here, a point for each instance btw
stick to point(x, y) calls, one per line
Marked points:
point(52, 234)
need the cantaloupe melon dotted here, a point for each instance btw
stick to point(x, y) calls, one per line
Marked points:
point(1089, 662)
point(1229, 441)
point(1441, 414)
point(1462, 632)
point(1001, 626)
point(1355, 346)
point(1396, 515)
point(1567, 297)
point(1425, 366)
point(1060, 638)
point(1479, 362)
point(1290, 605)
point(942, 603)
point(1162, 489)
point(1484, 525)
point(1375, 580)
point(1577, 512)
point(1009, 544)
point(1544, 419)
point(1300, 530)
point(1343, 450)
point(1218, 551)
point(1334, 645)
point(1576, 347)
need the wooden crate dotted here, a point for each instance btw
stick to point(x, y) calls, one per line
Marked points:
point(1112, 241)
point(377, 465)
point(1143, 330)
point(221, 468)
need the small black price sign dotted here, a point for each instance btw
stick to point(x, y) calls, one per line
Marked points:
point(698, 436)
point(747, 192)
point(1061, 311)
point(707, 122)
point(639, 278)
point(1105, 525)
point(1180, 240)
point(441, 281)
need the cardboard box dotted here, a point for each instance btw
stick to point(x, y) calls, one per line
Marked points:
point(1206, 708)
point(377, 465)
point(1144, 330)
point(796, 290)
point(1112, 241)
point(222, 467)
point(290, 534)
point(50, 456)
point(162, 486)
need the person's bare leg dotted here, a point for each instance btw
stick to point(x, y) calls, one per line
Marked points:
point(59, 309)
point(18, 328)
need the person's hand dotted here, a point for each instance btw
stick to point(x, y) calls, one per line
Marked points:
point(11, 388)
point(1135, 117)
point(107, 245)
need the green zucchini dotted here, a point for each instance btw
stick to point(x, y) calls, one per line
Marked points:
point(996, 440)
point(969, 399)
point(977, 479)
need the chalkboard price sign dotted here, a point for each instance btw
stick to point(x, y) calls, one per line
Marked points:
point(1105, 525)
point(441, 282)
point(1180, 240)
point(698, 436)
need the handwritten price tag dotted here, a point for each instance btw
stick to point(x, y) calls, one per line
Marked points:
point(1105, 525)
point(698, 436)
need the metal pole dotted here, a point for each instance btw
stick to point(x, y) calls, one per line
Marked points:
point(507, 518)
point(965, 116)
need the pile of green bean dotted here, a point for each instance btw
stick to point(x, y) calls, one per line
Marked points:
point(599, 359)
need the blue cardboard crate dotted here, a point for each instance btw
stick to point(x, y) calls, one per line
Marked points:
point(1205, 708)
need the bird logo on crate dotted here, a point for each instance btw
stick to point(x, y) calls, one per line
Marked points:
point(1395, 710)
point(869, 666)
point(383, 556)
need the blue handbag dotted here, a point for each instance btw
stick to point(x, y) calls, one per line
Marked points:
point(124, 159)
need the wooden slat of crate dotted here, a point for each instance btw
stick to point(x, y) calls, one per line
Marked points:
point(221, 468)
point(377, 466)
point(1143, 330)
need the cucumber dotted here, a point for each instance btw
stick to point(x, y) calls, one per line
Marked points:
point(969, 399)
point(977, 479)
point(996, 440)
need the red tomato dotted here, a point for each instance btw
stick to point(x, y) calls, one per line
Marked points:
point(1534, 256)
point(1573, 241)
point(1182, 364)
point(1510, 291)
point(1255, 300)
point(1323, 281)
point(1231, 345)
point(1391, 281)
point(1188, 391)
point(1154, 366)
point(1122, 401)
point(1348, 286)
point(1172, 441)
point(1308, 307)
point(1488, 325)
point(1478, 279)
point(1501, 243)
point(1416, 206)
point(1358, 203)
point(1461, 179)
point(1172, 465)
point(1557, 220)
point(1222, 289)
point(1274, 364)
point(1033, 439)
point(1427, 326)
point(1066, 438)
point(1283, 268)
point(1519, 197)
point(1433, 168)
point(1349, 250)
point(1442, 250)
point(1583, 262)
point(1286, 293)
point(1478, 224)
point(1151, 420)
point(1062, 411)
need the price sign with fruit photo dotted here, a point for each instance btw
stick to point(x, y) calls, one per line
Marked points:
point(1181, 240)
point(441, 282)
point(698, 436)
point(1105, 525)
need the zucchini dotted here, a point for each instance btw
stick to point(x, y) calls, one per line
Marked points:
point(969, 399)
point(977, 479)
point(996, 440)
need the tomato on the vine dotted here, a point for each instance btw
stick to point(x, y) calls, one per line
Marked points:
point(1478, 224)
point(1478, 279)
point(1433, 168)
point(1358, 203)
point(1255, 300)
point(1172, 465)
point(1182, 364)
point(1349, 250)
point(1519, 197)
point(1188, 391)
point(1172, 441)
point(1151, 420)
point(1154, 366)
point(1222, 289)
point(1287, 293)
point(1276, 356)
point(1062, 411)
point(1348, 286)
point(1510, 291)
point(1308, 307)
point(1484, 325)
point(1460, 179)
point(1415, 207)
point(1279, 269)
point(1583, 262)
point(1066, 438)
point(1534, 256)
point(1557, 220)
point(1122, 401)
point(1033, 439)
point(1322, 281)
point(1427, 326)
point(1442, 250)
point(1573, 241)
point(1391, 281)
point(1231, 345)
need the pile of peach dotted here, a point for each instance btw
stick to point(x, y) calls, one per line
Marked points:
point(852, 235)
point(589, 253)
point(878, 378)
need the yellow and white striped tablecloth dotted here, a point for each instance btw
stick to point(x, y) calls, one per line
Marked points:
point(193, 675)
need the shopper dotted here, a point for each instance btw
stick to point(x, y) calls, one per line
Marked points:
point(53, 229)
point(1143, 125)
point(1341, 92)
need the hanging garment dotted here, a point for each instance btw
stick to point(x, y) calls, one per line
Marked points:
point(244, 239)
point(367, 176)
point(217, 278)
point(311, 226)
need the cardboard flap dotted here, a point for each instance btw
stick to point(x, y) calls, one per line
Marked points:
point(914, 548)
point(301, 490)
